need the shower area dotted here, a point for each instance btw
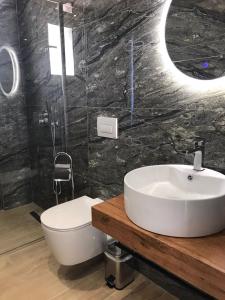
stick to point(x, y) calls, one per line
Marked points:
point(42, 74)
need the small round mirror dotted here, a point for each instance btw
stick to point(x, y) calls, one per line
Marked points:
point(9, 71)
point(195, 37)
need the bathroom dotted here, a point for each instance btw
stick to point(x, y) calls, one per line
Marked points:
point(109, 61)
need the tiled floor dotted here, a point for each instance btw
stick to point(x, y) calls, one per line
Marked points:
point(18, 227)
point(31, 273)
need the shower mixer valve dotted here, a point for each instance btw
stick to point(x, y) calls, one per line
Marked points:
point(44, 118)
point(56, 123)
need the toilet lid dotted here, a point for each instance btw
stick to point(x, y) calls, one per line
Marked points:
point(69, 215)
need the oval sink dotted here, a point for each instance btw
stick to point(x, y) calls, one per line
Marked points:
point(176, 200)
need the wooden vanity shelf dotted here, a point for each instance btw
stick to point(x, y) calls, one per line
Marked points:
point(198, 261)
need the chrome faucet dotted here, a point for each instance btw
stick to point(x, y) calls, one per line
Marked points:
point(199, 152)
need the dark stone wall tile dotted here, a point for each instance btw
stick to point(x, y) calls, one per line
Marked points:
point(144, 6)
point(116, 43)
point(107, 50)
point(42, 133)
point(15, 171)
point(77, 126)
point(122, 43)
point(79, 156)
point(42, 183)
point(16, 187)
point(44, 94)
point(8, 24)
point(82, 186)
point(74, 14)
point(76, 85)
point(78, 147)
point(96, 10)
point(111, 61)
point(104, 191)
point(34, 17)
point(148, 137)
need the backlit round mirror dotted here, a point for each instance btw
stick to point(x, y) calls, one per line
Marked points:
point(9, 71)
point(195, 37)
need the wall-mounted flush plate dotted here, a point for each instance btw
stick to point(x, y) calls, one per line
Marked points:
point(107, 127)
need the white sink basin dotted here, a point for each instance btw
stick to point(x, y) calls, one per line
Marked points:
point(175, 200)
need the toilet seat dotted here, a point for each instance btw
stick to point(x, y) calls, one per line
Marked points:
point(69, 233)
point(65, 230)
point(71, 215)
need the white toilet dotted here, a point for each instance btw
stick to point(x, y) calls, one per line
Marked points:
point(69, 233)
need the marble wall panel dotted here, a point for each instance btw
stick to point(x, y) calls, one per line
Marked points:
point(120, 72)
point(15, 171)
point(75, 86)
point(164, 116)
point(148, 137)
point(44, 94)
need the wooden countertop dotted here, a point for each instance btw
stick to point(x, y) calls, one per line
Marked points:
point(198, 261)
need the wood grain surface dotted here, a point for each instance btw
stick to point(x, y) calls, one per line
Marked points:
point(198, 261)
